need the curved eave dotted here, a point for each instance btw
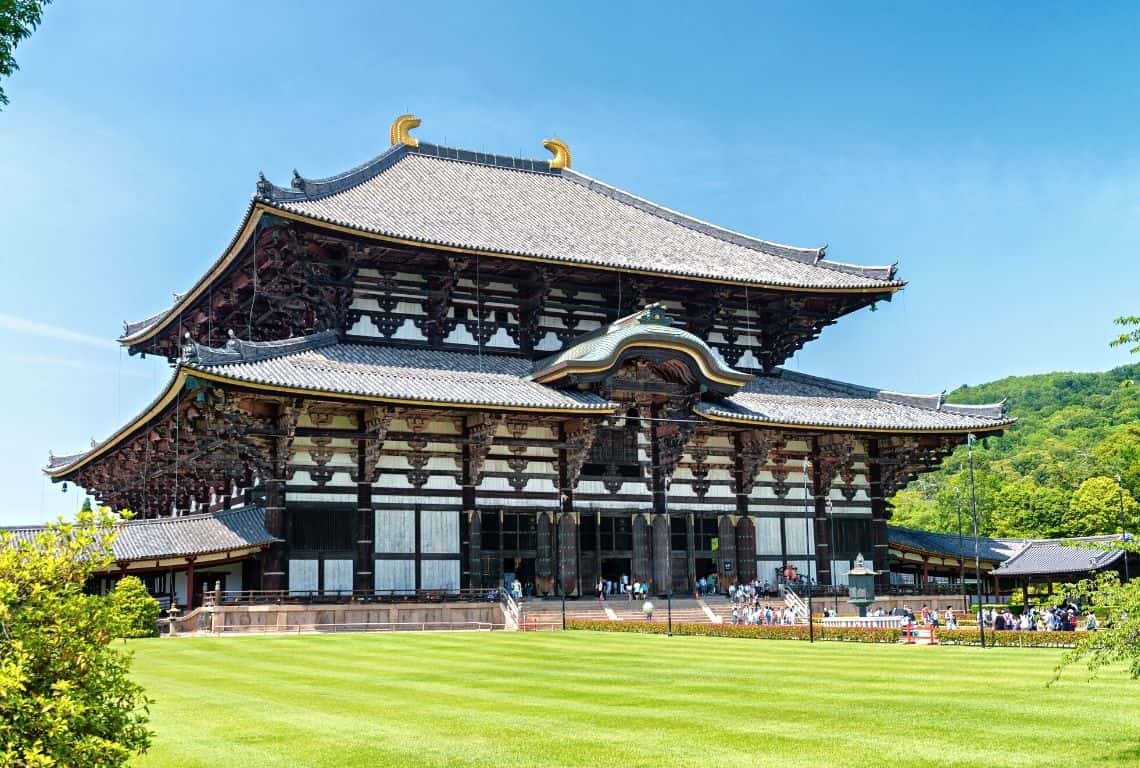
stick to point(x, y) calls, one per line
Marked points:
point(816, 426)
point(248, 226)
point(260, 207)
point(178, 382)
point(210, 556)
point(708, 365)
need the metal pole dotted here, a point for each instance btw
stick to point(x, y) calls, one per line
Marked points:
point(961, 548)
point(669, 555)
point(977, 556)
point(807, 538)
point(1123, 530)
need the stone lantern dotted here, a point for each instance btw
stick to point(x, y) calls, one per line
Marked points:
point(861, 586)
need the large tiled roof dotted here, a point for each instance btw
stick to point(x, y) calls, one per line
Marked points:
point(797, 399)
point(229, 531)
point(991, 550)
point(320, 363)
point(457, 198)
point(1060, 556)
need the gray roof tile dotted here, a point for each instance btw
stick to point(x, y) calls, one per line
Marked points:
point(231, 530)
point(370, 370)
point(800, 400)
point(1060, 556)
point(990, 550)
point(441, 196)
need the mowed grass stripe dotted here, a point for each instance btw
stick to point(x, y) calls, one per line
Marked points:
point(478, 699)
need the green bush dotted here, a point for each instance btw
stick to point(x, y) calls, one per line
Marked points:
point(135, 610)
point(1010, 639)
point(762, 632)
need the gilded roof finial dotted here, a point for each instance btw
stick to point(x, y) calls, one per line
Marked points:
point(561, 152)
point(399, 133)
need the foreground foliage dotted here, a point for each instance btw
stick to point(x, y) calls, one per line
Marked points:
point(505, 699)
point(136, 610)
point(1118, 605)
point(65, 695)
point(18, 19)
point(1054, 473)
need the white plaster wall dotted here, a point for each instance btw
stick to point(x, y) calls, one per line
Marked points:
point(439, 574)
point(395, 531)
point(303, 575)
point(338, 575)
point(767, 535)
point(398, 575)
point(439, 532)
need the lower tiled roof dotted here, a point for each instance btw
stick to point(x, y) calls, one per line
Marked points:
point(230, 530)
point(421, 375)
point(990, 550)
point(1059, 556)
point(797, 399)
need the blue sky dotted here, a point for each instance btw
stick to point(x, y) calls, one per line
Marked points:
point(990, 151)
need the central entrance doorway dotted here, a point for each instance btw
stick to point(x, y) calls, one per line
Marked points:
point(615, 572)
point(521, 568)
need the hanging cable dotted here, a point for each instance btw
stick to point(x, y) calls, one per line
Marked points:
point(177, 449)
point(253, 299)
point(748, 325)
point(479, 312)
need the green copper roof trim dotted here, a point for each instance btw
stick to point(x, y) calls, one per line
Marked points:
point(650, 328)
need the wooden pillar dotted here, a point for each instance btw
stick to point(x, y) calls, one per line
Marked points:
point(727, 567)
point(819, 492)
point(925, 573)
point(365, 559)
point(189, 584)
point(690, 551)
point(567, 526)
point(662, 533)
point(881, 551)
point(662, 579)
point(474, 554)
point(726, 528)
point(273, 568)
point(745, 550)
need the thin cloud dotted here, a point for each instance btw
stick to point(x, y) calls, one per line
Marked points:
point(48, 331)
point(129, 371)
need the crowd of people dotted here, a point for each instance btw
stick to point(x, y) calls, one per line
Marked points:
point(749, 606)
point(1060, 618)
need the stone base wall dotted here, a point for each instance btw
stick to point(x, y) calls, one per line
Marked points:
point(349, 618)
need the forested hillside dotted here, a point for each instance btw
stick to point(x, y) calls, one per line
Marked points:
point(1053, 474)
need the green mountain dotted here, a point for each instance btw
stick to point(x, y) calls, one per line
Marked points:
point(1053, 474)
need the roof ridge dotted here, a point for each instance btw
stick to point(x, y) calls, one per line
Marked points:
point(241, 351)
point(795, 253)
point(312, 189)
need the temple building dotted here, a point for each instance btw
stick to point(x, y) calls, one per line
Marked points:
point(443, 368)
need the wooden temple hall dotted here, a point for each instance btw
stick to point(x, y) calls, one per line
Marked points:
point(443, 368)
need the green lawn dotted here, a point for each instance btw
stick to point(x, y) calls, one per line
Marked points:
point(587, 699)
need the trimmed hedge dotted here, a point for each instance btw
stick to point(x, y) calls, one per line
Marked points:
point(761, 632)
point(1012, 639)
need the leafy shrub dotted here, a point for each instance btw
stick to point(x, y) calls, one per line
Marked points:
point(135, 610)
point(1010, 639)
